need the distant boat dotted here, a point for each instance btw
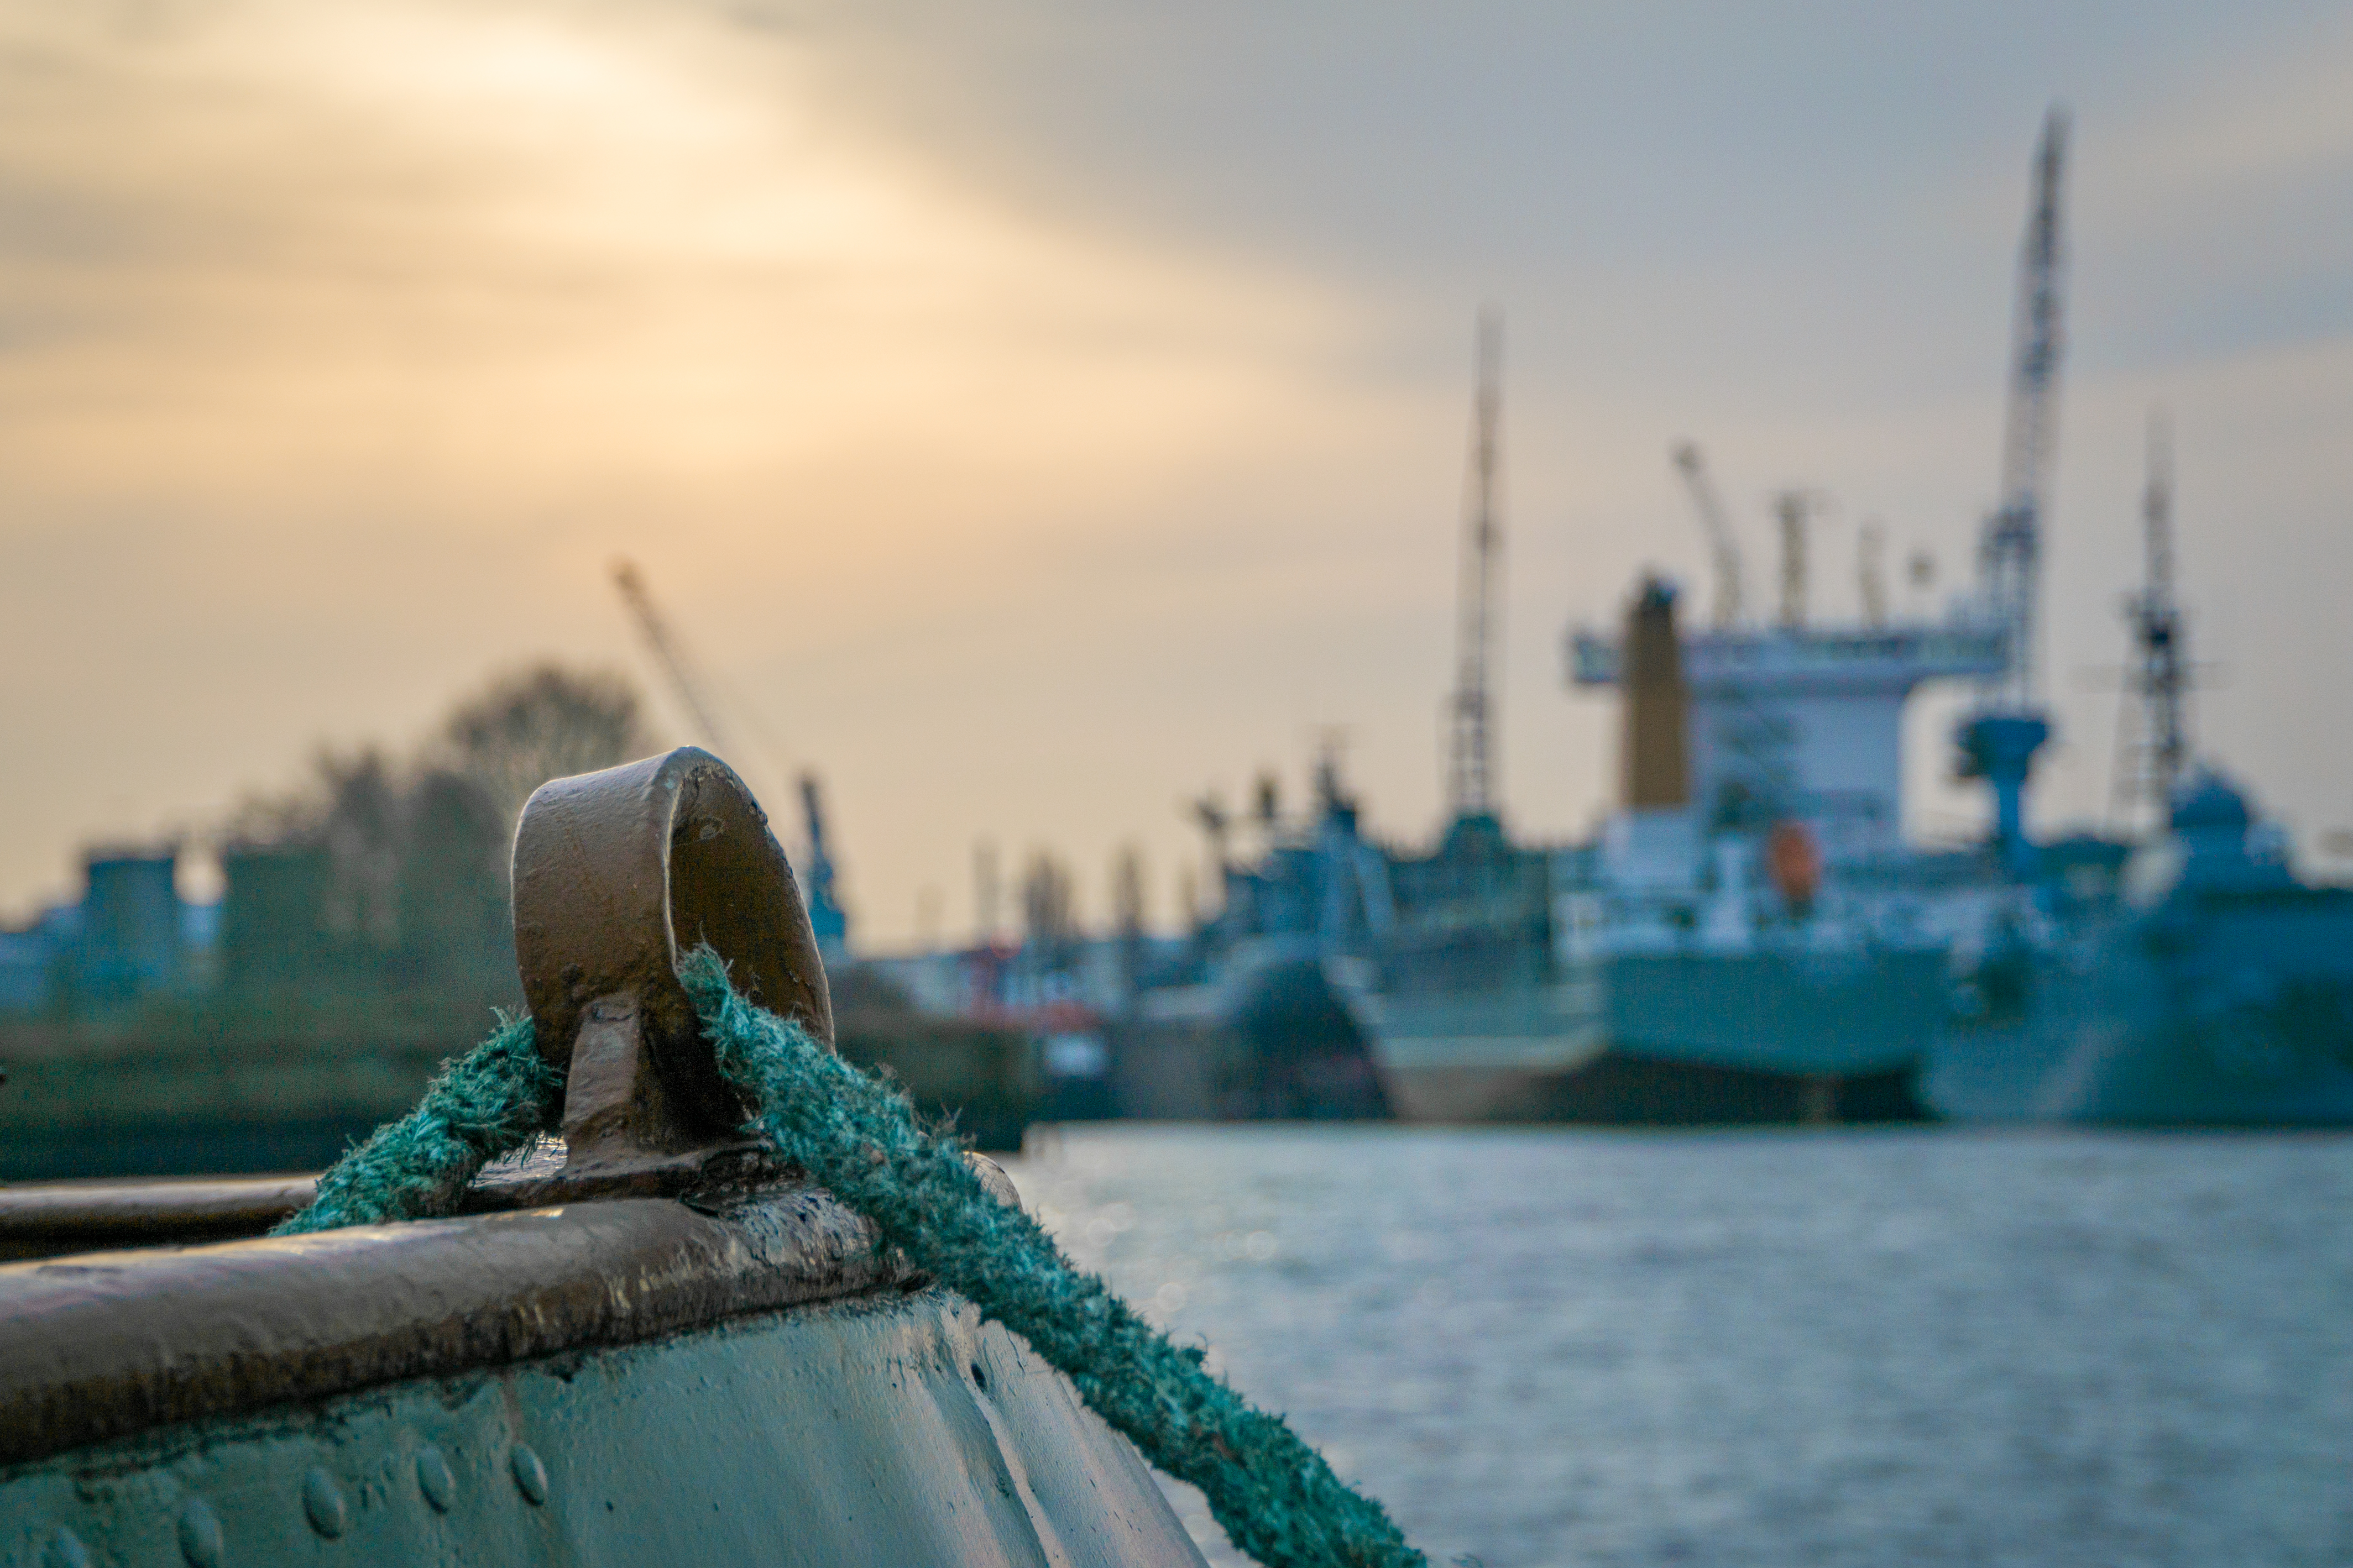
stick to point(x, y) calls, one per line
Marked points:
point(2216, 991)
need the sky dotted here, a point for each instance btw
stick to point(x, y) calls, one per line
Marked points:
point(1034, 415)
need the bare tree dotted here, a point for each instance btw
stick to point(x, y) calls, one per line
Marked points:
point(362, 832)
point(543, 723)
point(453, 903)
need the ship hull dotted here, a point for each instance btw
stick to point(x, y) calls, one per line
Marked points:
point(2105, 1073)
point(1668, 1039)
point(2235, 1014)
point(1619, 1090)
point(1269, 1042)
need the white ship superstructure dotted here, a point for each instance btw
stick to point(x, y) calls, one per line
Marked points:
point(1802, 724)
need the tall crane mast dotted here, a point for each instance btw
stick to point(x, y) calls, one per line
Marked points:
point(1471, 757)
point(1712, 522)
point(1871, 571)
point(1793, 509)
point(2009, 555)
point(1999, 742)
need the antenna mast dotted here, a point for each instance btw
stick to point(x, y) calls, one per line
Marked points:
point(1790, 508)
point(2159, 677)
point(1471, 759)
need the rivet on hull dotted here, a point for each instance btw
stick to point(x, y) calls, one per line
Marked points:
point(529, 1475)
point(200, 1535)
point(434, 1479)
point(322, 1501)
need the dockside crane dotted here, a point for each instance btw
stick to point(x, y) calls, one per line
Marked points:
point(1999, 741)
point(686, 682)
point(1713, 523)
point(827, 921)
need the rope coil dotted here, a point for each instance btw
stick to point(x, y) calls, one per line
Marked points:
point(1274, 1495)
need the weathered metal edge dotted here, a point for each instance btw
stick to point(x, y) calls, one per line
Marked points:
point(51, 1219)
point(40, 1218)
point(105, 1345)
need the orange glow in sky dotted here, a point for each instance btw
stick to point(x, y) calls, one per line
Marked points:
point(1034, 426)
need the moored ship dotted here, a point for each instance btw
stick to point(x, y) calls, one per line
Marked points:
point(2217, 991)
point(1746, 940)
point(1748, 937)
point(2207, 986)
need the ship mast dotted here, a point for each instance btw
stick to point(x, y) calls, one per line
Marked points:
point(2159, 677)
point(1470, 786)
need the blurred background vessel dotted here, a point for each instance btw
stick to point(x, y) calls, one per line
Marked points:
point(1748, 937)
point(2192, 979)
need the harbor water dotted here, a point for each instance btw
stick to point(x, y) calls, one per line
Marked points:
point(1767, 1349)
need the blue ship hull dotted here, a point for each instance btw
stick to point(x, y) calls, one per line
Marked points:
point(1675, 1037)
point(1804, 1014)
point(2220, 1009)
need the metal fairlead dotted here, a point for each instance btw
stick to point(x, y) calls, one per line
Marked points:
point(615, 875)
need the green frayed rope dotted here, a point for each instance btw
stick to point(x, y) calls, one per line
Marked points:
point(490, 1101)
point(1275, 1497)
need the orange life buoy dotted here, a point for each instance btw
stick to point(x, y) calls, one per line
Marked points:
point(1795, 861)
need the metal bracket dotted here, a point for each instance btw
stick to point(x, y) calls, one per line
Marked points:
point(617, 873)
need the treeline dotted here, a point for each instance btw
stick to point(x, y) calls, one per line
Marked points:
point(386, 874)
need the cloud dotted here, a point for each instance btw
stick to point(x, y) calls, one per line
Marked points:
point(503, 246)
point(333, 328)
point(1041, 411)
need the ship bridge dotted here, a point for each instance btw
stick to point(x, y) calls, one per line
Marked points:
point(1805, 722)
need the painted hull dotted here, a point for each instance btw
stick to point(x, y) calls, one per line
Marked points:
point(1662, 1038)
point(2233, 1012)
point(1269, 1040)
point(629, 1382)
point(1845, 1014)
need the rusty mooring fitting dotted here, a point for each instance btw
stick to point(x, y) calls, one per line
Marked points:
point(617, 874)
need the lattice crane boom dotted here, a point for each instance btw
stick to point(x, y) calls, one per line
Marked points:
point(2153, 744)
point(1999, 741)
point(2010, 556)
point(685, 682)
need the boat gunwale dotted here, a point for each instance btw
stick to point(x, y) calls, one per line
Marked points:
point(105, 1345)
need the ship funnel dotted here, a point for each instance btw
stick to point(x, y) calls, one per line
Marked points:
point(1653, 761)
